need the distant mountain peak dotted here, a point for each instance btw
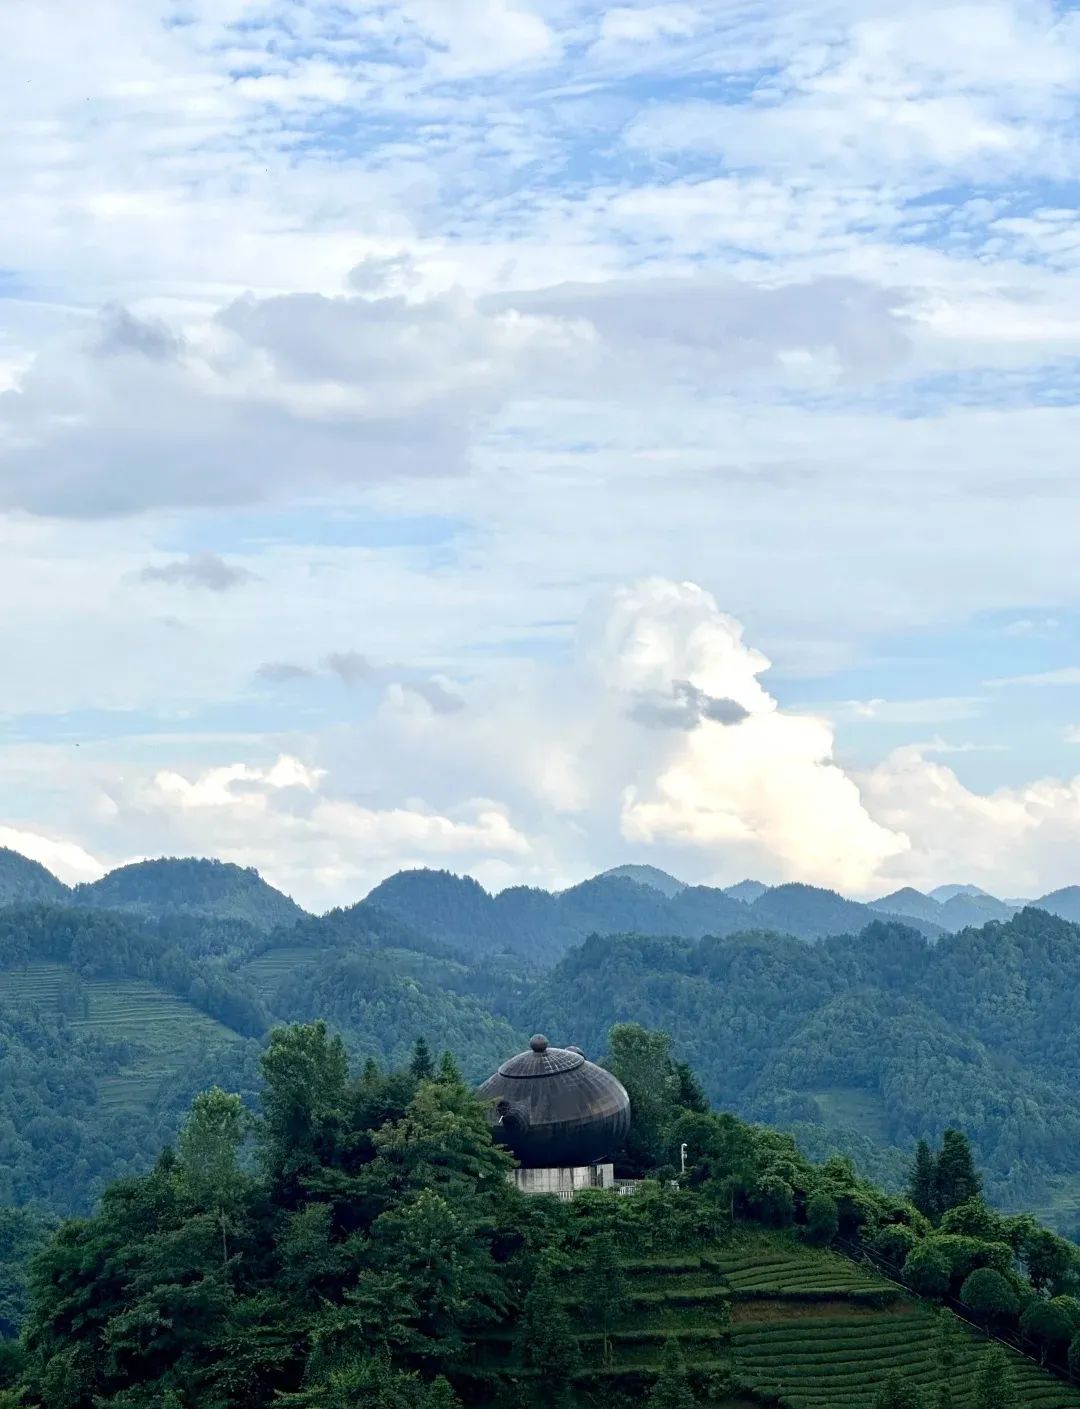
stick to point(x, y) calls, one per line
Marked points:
point(650, 876)
point(950, 892)
point(746, 891)
point(191, 885)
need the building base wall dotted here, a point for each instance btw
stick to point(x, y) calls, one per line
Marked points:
point(564, 1181)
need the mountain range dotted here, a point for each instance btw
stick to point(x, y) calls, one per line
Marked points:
point(532, 923)
point(859, 1027)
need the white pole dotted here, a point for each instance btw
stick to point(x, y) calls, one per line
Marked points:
point(682, 1155)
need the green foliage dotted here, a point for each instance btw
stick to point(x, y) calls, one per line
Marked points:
point(191, 886)
point(1052, 1324)
point(897, 1393)
point(422, 1066)
point(956, 1180)
point(603, 1285)
point(989, 1295)
point(822, 1217)
point(994, 1388)
point(928, 1269)
point(922, 1182)
point(548, 1341)
point(672, 1388)
point(894, 1242)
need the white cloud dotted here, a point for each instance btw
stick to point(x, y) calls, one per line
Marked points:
point(542, 774)
point(1064, 675)
point(65, 859)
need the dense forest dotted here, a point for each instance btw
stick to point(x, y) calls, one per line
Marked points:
point(355, 1242)
point(861, 1042)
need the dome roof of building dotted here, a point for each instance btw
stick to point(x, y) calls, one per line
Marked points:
point(554, 1108)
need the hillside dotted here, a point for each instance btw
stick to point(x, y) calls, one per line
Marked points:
point(23, 881)
point(772, 1319)
point(190, 886)
point(862, 1044)
point(110, 1023)
point(372, 1252)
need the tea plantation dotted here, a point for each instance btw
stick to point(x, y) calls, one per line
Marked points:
point(764, 1319)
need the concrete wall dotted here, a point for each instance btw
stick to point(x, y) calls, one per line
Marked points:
point(565, 1180)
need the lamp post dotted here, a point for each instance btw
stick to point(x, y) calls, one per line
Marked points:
point(682, 1156)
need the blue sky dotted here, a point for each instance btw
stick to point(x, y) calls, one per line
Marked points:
point(526, 435)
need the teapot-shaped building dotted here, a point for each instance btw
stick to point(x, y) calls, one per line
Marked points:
point(560, 1115)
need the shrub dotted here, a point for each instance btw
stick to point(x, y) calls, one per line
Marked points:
point(893, 1242)
point(928, 1269)
point(989, 1295)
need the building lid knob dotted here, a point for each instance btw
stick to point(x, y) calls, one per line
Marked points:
point(539, 1043)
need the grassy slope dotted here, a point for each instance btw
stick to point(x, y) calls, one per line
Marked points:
point(776, 1322)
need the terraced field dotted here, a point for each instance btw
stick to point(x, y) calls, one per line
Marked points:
point(841, 1359)
point(166, 1032)
point(763, 1319)
point(268, 971)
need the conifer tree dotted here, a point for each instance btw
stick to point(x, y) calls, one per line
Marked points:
point(956, 1178)
point(994, 1387)
point(421, 1066)
point(922, 1182)
point(449, 1074)
point(672, 1388)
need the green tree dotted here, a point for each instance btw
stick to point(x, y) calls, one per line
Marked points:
point(305, 1070)
point(1051, 1324)
point(994, 1388)
point(922, 1181)
point(603, 1284)
point(928, 1269)
point(897, 1393)
point(1074, 1357)
point(822, 1218)
point(672, 1388)
point(548, 1340)
point(894, 1242)
point(1050, 1260)
point(421, 1065)
point(642, 1062)
point(449, 1072)
point(989, 1296)
point(956, 1180)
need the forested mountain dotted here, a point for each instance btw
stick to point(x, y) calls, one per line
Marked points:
point(191, 886)
point(24, 880)
point(354, 1241)
point(538, 925)
point(863, 1043)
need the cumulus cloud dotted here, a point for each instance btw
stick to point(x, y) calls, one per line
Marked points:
point(205, 570)
point(548, 772)
point(67, 860)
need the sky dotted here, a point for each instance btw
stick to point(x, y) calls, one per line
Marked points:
point(527, 436)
